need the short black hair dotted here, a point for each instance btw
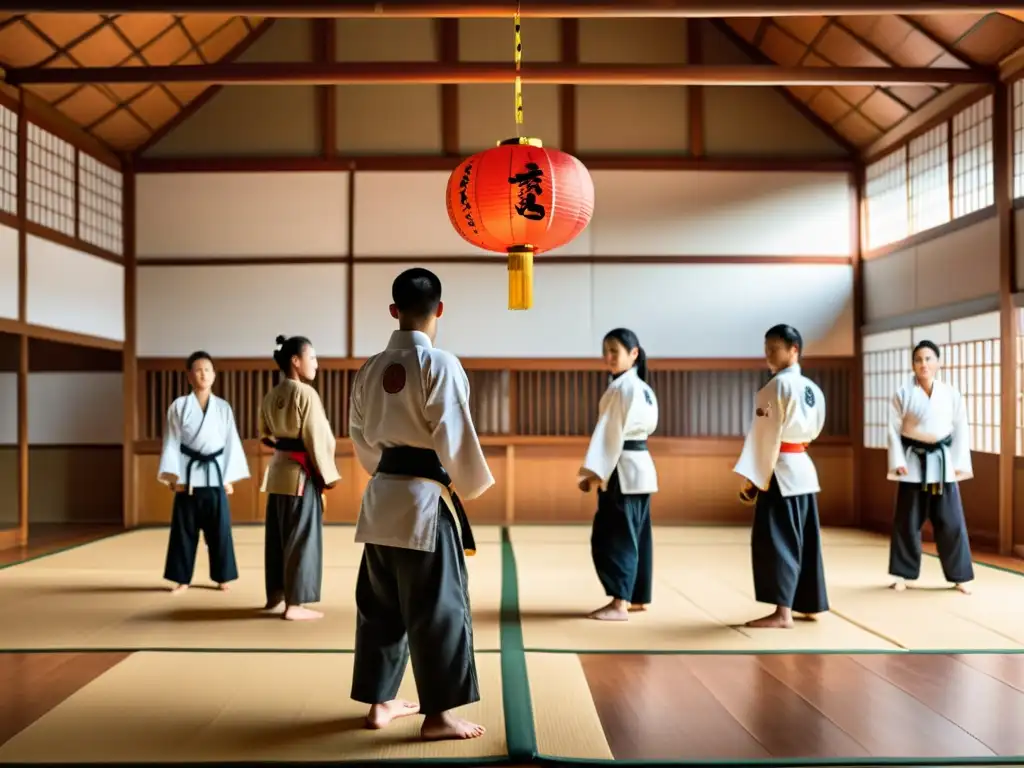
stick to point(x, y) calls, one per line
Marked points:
point(195, 357)
point(290, 346)
point(925, 344)
point(787, 334)
point(416, 292)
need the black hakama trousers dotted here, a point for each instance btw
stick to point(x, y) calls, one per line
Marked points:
point(621, 543)
point(416, 603)
point(293, 550)
point(206, 510)
point(785, 547)
point(914, 505)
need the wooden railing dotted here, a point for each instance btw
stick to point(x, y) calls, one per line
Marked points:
point(543, 398)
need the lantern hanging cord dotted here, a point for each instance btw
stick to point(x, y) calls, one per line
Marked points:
point(519, 79)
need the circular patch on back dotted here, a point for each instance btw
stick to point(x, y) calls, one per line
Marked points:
point(394, 378)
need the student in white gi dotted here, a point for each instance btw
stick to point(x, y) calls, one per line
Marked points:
point(621, 467)
point(929, 453)
point(789, 414)
point(412, 430)
point(202, 458)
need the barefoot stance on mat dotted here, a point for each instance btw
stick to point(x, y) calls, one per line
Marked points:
point(201, 459)
point(412, 431)
point(294, 424)
point(929, 454)
point(619, 465)
point(780, 480)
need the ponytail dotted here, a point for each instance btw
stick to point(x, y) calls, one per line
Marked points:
point(287, 348)
point(641, 363)
point(629, 340)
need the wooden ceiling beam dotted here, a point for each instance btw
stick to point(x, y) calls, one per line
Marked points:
point(504, 8)
point(315, 73)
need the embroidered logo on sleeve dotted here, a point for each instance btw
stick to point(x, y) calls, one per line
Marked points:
point(648, 397)
point(394, 378)
point(809, 397)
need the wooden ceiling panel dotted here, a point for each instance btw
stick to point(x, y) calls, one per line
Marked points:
point(65, 28)
point(781, 47)
point(803, 28)
point(745, 27)
point(103, 48)
point(882, 110)
point(125, 40)
point(858, 130)
point(168, 48)
point(914, 96)
point(843, 49)
point(830, 106)
point(994, 38)
point(949, 27)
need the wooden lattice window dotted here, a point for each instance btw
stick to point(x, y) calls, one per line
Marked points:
point(973, 164)
point(100, 204)
point(1018, 139)
point(928, 179)
point(884, 372)
point(8, 161)
point(885, 193)
point(50, 181)
point(973, 368)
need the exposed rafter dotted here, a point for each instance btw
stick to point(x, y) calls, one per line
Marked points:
point(314, 73)
point(504, 8)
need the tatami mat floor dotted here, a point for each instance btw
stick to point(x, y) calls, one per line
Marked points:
point(203, 677)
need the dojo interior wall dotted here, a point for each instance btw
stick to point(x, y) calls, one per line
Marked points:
point(72, 293)
point(698, 262)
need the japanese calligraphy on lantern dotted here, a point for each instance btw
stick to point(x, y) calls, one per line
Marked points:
point(530, 183)
point(467, 208)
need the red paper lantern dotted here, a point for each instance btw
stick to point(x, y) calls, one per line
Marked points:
point(520, 198)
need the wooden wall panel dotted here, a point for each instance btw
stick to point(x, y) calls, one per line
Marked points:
point(952, 268)
point(697, 486)
point(67, 484)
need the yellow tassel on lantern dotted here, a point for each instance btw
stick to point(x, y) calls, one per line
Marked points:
point(520, 277)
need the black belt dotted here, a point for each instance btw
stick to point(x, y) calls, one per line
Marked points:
point(923, 450)
point(203, 460)
point(634, 445)
point(425, 463)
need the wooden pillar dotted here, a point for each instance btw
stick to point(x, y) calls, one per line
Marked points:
point(22, 386)
point(695, 93)
point(130, 512)
point(857, 384)
point(570, 54)
point(1002, 138)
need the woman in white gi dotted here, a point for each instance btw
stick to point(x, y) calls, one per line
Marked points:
point(929, 452)
point(619, 464)
point(782, 482)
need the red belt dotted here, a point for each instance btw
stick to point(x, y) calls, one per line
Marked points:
point(303, 460)
point(793, 448)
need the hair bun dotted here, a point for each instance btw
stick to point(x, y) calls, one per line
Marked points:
point(281, 339)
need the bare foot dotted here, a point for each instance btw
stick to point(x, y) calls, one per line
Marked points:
point(274, 606)
point(224, 587)
point(899, 586)
point(381, 715)
point(781, 619)
point(179, 588)
point(299, 613)
point(637, 607)
point(963, 588)
point(616, 610)
point(807, 616)
point(448, 726)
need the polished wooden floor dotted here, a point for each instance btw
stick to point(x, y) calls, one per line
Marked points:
point(697, 707)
